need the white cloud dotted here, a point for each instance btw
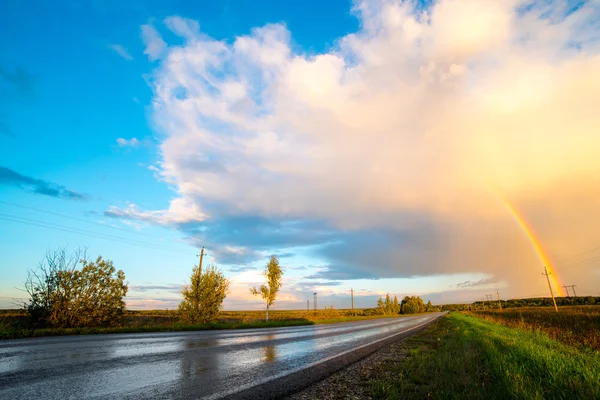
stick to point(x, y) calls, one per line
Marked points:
point(180, 211)
point(155, 45)
point(122, 51)
point(405, 124)
point(133, 142)
point(184, 27)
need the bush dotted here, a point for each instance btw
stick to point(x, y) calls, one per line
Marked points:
point(203, 298)
point(63, 296)
point(412, 305)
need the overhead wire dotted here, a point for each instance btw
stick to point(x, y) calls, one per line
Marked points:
point(580, 263)
point(79, 219)
point(580, 254)
point(64, 228)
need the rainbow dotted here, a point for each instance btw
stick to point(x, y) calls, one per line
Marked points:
point(539, 249)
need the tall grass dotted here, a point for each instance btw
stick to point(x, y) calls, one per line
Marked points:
point(464, 357)
point(15, 325)
point(575, 326)
point(25, 333)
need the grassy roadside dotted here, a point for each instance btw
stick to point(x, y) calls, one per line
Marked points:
point(26, 333)
point(16, 333)
point(462, 357)
point(577, 326)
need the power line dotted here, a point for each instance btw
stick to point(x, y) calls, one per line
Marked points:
point(29, 221)
point(571, 266)
point(580, 254)
point(79, 219)
point(580, 263)
point(64, 228)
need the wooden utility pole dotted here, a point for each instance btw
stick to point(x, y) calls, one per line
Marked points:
point(499, 302)
point(573, 287)
point(315, 301)
point(567, 290)
point(352, 297)
point(307, 306)
point(201, 257)
point(550, 287)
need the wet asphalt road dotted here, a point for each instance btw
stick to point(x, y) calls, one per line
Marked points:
point(190, 365)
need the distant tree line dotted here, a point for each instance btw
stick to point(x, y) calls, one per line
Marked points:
point(408, 305)
point(531, 302)
point(388, 306)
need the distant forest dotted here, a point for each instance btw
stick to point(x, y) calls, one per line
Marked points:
point(533, 302)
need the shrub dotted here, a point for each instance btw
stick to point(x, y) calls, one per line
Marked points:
point(63, 296)
point(203, 298)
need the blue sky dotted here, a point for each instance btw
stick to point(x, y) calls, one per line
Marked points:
point(303, 129)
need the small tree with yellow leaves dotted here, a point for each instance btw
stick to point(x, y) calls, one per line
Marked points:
point(268, 292)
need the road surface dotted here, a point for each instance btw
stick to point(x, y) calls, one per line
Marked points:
point(251, 363)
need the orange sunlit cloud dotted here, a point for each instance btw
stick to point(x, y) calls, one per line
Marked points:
point(399, 127)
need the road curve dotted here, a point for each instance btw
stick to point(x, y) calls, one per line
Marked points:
point(237, 364)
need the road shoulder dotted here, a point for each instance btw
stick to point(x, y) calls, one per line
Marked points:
point(357, 380)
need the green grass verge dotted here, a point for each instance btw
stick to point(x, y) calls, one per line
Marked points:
point(16, 333)
point(464, 357)
point(25, 333)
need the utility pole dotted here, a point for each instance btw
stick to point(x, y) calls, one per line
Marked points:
point(315, 301)
point(307, 306)
point(352, 297)
point(499, 302)
point(201, 257)
point(567, 290)
point(573, 287)
point(550, 286)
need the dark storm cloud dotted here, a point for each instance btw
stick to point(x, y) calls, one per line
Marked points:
point(260, 233)
point(239, 240)
point(38, 186)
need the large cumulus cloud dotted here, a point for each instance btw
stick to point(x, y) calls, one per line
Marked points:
point(399, 141)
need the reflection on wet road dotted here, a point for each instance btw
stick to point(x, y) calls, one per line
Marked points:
point(179, 364)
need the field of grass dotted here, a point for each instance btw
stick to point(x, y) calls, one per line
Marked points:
point(13, 323)
point(176, 327)
point(465, 357)
point(575, 325)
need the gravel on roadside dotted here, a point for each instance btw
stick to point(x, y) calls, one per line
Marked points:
point(355, 381)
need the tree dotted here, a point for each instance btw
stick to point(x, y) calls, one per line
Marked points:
point(268, 292)
point(203, 297)
point(429, 307)
point(412, 305)
point(381, 306)
point(396, 308)
point(388, 305)
point(405, 300)
point(63, 296)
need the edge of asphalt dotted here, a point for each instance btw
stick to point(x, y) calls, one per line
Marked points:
point(290, 382)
